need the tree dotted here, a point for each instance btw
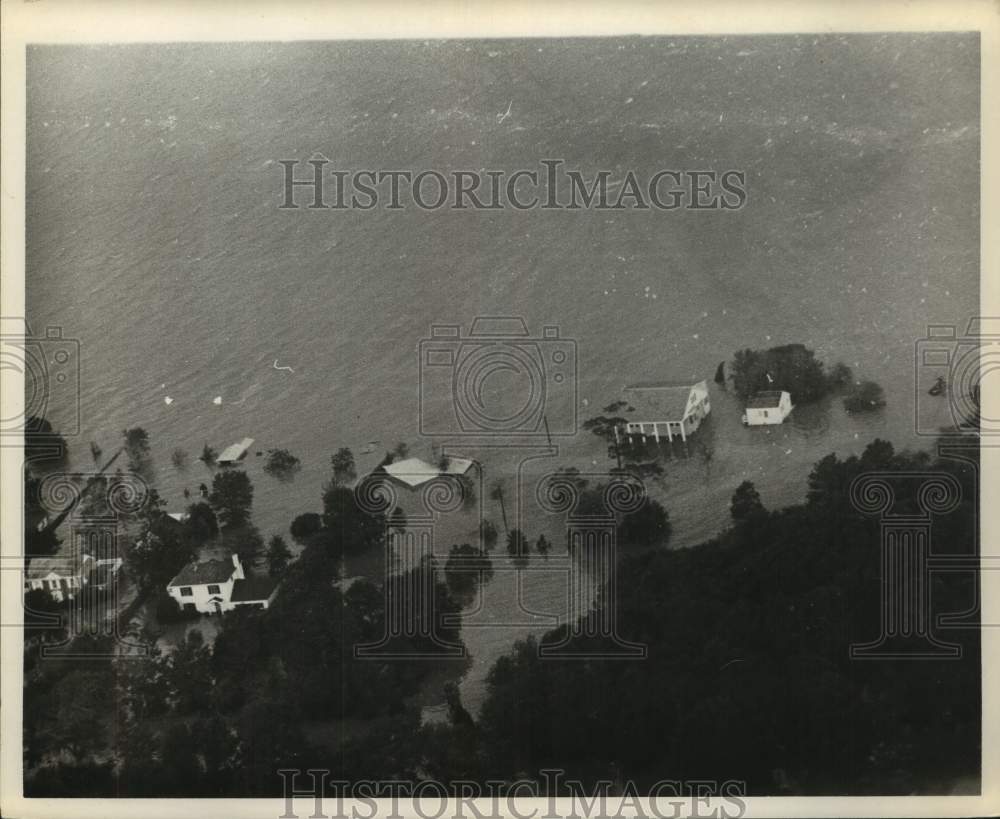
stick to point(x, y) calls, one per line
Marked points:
point(468, 489)
point(137, 447)
point(281, 464)
point(155, 558)
point(179, 458)
point(865, 397)
point(839, 376)
point(649, 525)
point(232, 496)
point(496, 493)
point(353, 529)
point(606, 428)
point(465, 568)
point(542, 546)
point(344, 471)
point(746, 502)
point(41, 442)
point(791, 367)
point(457, 714)
point(208, 455)
point(720, 374)
point(488, 533)
point(278, 556)
point(305, 526)
point(188, 675)
point(517, 544)
point(42, 616)
point(246, 542)
point(201, 523)
point(80, 705)
point(179, 770)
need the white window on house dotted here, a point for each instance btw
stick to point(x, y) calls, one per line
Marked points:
point(186, 591)
point(214, 590)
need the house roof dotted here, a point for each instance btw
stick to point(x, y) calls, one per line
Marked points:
point(207, 571)
point(769, 399)
point(659, 400)
point(234, 452)
point(412, 471)
point(42, 567)
point(256, 587)
point(102, 550)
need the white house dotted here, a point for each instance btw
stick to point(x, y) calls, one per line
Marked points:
point(665, 409)
point(770, 407)
point(61, 577)
point(213, 586)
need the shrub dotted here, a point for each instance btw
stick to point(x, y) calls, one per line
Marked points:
point(865, 397)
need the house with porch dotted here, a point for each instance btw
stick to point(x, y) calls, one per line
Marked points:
point(665, 409)
point(61, 577)
point(94, 560)
point(214, 586)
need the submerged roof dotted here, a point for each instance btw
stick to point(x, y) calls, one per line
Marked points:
point(660, 400)
point(234, 452)
point(768, 399)
point(207, 571)
point(415, 472)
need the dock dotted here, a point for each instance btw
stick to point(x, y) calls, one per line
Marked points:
point(231, 454)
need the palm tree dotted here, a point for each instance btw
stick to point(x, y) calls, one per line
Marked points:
point(496, 493)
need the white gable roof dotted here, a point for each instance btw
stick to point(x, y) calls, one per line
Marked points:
point(415, 472)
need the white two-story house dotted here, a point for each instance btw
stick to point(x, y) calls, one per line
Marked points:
point(214, 586)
